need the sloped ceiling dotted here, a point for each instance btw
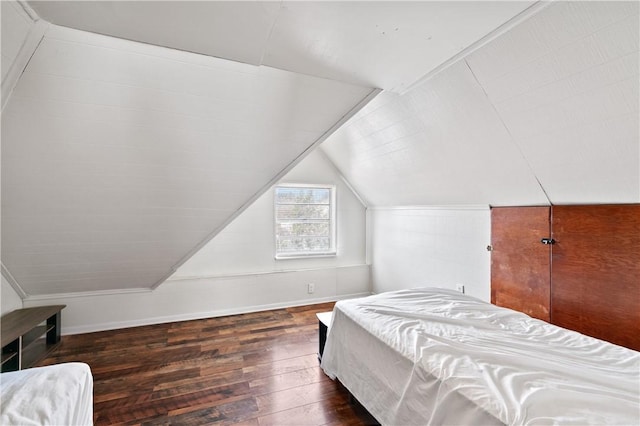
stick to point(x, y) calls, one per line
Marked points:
point(546, 113)
point(118, 158)
point(384, 44)
point(15, 27)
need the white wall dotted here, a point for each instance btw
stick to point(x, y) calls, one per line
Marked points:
point(247, 244)
point(9, 299)
point(431, 246)
point(180, 300)
point(236, 271)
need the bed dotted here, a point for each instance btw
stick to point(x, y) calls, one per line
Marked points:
point(60, 394)
point(436, 356)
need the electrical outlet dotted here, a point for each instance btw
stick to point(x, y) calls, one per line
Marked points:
point(311, 287)
point(460, 288)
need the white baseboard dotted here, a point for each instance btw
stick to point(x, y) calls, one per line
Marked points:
point(201, 315)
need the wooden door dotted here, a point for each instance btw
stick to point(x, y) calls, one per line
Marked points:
point(520, 263)
point(596, 271)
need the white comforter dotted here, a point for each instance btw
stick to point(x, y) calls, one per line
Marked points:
point(60, 394)
point(434, 356)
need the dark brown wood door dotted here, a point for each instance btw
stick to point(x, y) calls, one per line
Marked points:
point(520, 263)
point(596, 271)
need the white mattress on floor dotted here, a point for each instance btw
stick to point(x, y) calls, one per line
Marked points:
point(434, 356)
point(60, 394)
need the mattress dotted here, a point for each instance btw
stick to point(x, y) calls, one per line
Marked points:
point(435, 356)
point(60, 394)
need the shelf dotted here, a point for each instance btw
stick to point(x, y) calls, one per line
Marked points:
point(8, 356)
point(28, 335)
point(33, 335)
point(21, 321)
point(36, 351)
point(11, 356)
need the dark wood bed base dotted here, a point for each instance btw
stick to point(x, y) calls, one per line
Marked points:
point(586, 279)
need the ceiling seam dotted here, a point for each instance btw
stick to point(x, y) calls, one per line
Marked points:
point(506, 128)
point(486, 39)
point(12, 78)
point(13, 283)
point(28, 10)
point(342, 177)
point(273, 26)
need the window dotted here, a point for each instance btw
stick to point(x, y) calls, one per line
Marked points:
point(305, 221)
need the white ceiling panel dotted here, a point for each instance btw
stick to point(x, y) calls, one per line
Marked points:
point(564, 23)
point(15, 27)
point(116, 152)
point(385, 44)
point(571, 100)
point(548, 112)
point(234, 30)
point(439, 144)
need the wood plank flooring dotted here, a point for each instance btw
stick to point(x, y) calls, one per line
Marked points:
point(252, 369)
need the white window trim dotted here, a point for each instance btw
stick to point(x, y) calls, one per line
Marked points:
point(333, 223)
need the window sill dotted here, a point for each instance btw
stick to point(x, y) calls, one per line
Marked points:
point(303, 256)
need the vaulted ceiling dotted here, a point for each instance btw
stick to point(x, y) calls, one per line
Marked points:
point(547, 112)
point(135, 131)
point(384, 44)
point(119, 159)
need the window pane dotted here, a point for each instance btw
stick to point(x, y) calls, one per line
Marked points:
point(302, 244)
point(301, 211)
point(304, 220)
point(303, 195)
point(302, 229)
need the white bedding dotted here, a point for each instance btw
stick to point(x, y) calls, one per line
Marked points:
point(60, 394)
point(434, 356)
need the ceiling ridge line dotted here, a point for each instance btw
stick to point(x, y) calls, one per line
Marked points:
point(29, 10)
point(529, 12)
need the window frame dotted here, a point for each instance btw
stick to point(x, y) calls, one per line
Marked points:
point(333, 219)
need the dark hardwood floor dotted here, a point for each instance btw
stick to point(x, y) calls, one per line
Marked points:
point(251, 369)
